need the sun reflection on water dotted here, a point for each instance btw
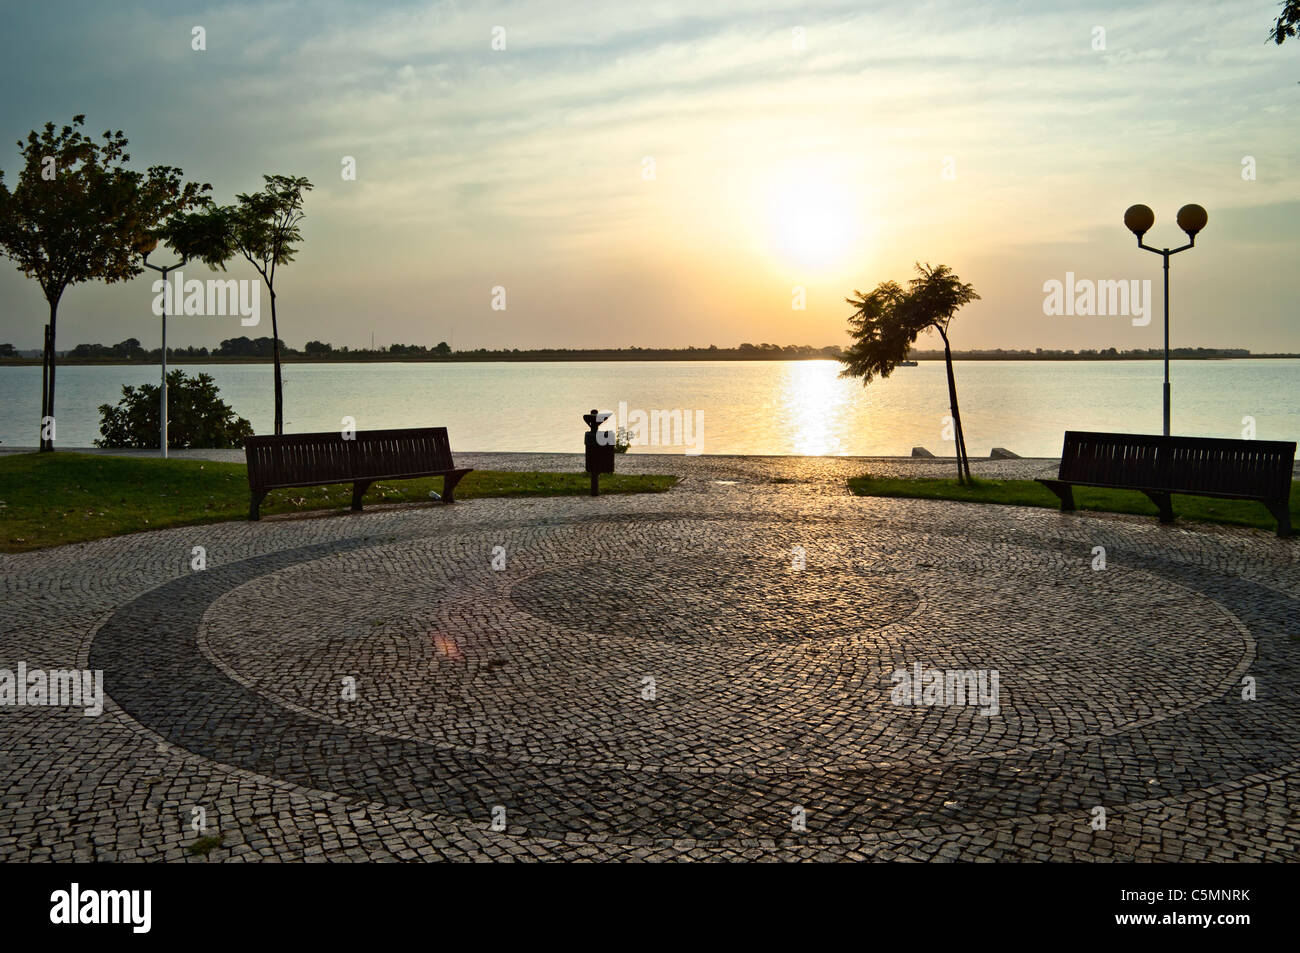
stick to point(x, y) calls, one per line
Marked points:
point(815, 404)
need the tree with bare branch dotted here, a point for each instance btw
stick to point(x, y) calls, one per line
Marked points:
point(263, 227)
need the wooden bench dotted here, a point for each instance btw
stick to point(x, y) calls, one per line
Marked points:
point(318, 459)
point(1159, 466)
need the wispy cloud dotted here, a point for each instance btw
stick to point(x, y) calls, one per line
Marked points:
point(524, 166)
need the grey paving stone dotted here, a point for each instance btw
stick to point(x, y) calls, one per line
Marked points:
point(768, 618)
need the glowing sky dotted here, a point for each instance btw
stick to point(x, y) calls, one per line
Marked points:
point(791, 144)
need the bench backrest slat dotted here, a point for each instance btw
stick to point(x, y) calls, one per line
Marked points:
point(373, 454)
point(1259, 468)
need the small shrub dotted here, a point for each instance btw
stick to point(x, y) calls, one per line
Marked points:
point(196, 417)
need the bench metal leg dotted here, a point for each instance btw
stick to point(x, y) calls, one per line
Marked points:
point(1161, 500)
point(1063, 491)
point(359, 488)
point(1282, 513)
point(449, 486)
point(254, 504)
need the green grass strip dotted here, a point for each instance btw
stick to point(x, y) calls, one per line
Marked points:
point(48, 499)
point(1031, 493)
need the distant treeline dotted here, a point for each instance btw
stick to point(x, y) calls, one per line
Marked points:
point(243, 349)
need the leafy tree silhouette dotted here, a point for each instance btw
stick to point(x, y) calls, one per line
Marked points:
point(888, 320)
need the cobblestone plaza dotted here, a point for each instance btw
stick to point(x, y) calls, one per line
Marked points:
point(709, 673)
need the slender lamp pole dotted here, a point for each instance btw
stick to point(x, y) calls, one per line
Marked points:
point(1191, 219)
point(163, 270)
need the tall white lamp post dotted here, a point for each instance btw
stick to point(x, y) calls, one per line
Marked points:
point(146, 250)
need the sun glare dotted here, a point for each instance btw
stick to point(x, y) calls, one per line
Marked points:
point(812, 216)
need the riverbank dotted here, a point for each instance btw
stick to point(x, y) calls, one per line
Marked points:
point(693, 470)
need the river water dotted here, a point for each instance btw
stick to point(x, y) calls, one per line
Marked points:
point(758, 407)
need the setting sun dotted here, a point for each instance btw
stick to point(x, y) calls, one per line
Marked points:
point(812, 216)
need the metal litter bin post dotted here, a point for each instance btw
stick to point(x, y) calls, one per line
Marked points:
point(600, 452)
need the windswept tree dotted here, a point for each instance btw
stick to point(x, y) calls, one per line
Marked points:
point(77, 214)
point(1287, 22)
point(262, 227)
point(887, 322)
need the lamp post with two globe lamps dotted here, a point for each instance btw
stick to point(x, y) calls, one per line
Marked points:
point(1191, 219)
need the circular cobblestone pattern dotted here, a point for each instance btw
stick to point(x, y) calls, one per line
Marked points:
point(689, 666)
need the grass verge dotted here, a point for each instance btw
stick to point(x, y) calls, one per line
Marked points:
point(48, 499)
point(1031, 493)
